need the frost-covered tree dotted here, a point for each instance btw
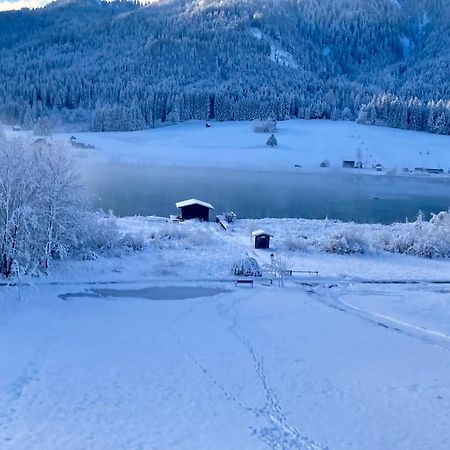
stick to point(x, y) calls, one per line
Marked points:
point(272, 141)
point(42, 127)
point(44, 214)
point(2, 133)
point(280, 265)
point(410, 114)
point(264, 126)
point(137, 66)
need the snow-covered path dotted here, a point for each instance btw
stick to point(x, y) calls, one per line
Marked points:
point(251, 368)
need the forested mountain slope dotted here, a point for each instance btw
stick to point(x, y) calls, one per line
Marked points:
point(132, 66)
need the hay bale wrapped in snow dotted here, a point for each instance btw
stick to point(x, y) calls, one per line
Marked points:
point(247, 267)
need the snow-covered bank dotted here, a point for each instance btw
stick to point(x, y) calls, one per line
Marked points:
point(204, 251)
point(304, 143)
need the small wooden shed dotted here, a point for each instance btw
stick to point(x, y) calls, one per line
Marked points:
point(261, 239)
point(194, 209)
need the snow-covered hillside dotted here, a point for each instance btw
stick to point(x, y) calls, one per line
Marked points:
point(140, 64)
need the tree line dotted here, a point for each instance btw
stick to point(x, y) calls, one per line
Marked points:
point(127, 66)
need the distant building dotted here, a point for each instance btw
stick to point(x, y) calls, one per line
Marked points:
point(378, 167)
point(194, 209)
point(348, 164)
point(352, 164)
point(432, 171)
point(261, 238)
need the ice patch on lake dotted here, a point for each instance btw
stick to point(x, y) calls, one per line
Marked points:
point(149, 293)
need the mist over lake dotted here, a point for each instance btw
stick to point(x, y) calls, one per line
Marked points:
point(132, 189)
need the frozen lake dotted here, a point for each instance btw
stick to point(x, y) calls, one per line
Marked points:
point(132, 189)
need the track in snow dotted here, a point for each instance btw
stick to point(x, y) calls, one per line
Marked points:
point(278, 434)
point(436, 339)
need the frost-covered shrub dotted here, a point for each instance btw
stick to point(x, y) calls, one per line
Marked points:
point(344, 242)
point(199, 239)
point(265, 126)
point(187, 235)
point(430, 247)
point(100, 233)
point(297, 243)
point(247, 267)
point(424, 239)
point(133, 242)
point(420, 238)
point(428, 241)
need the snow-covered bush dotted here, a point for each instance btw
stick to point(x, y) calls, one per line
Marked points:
point(344, 242)
point(440, 219)
point(420, 238)
point(99, 233)
point(264, 126)
point(247, 267)
point(424, 239)
point(133, 242)
point(296, 243)
point(188, 235)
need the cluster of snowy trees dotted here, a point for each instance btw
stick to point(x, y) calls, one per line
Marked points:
point(412, 114)
point(41, 206)
point(129, 66)
point(44, 211)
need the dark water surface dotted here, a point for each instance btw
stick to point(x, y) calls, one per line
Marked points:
point(130, 189)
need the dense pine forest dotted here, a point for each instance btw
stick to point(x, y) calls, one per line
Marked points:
point(127, 66)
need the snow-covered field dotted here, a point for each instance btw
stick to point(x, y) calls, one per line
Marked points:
point(304, 143)
point(160, 349)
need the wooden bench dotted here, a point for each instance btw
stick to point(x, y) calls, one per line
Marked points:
point(309, 272)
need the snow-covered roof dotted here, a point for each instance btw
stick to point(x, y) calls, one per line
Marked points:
point(260, 233)
point(193, 201)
